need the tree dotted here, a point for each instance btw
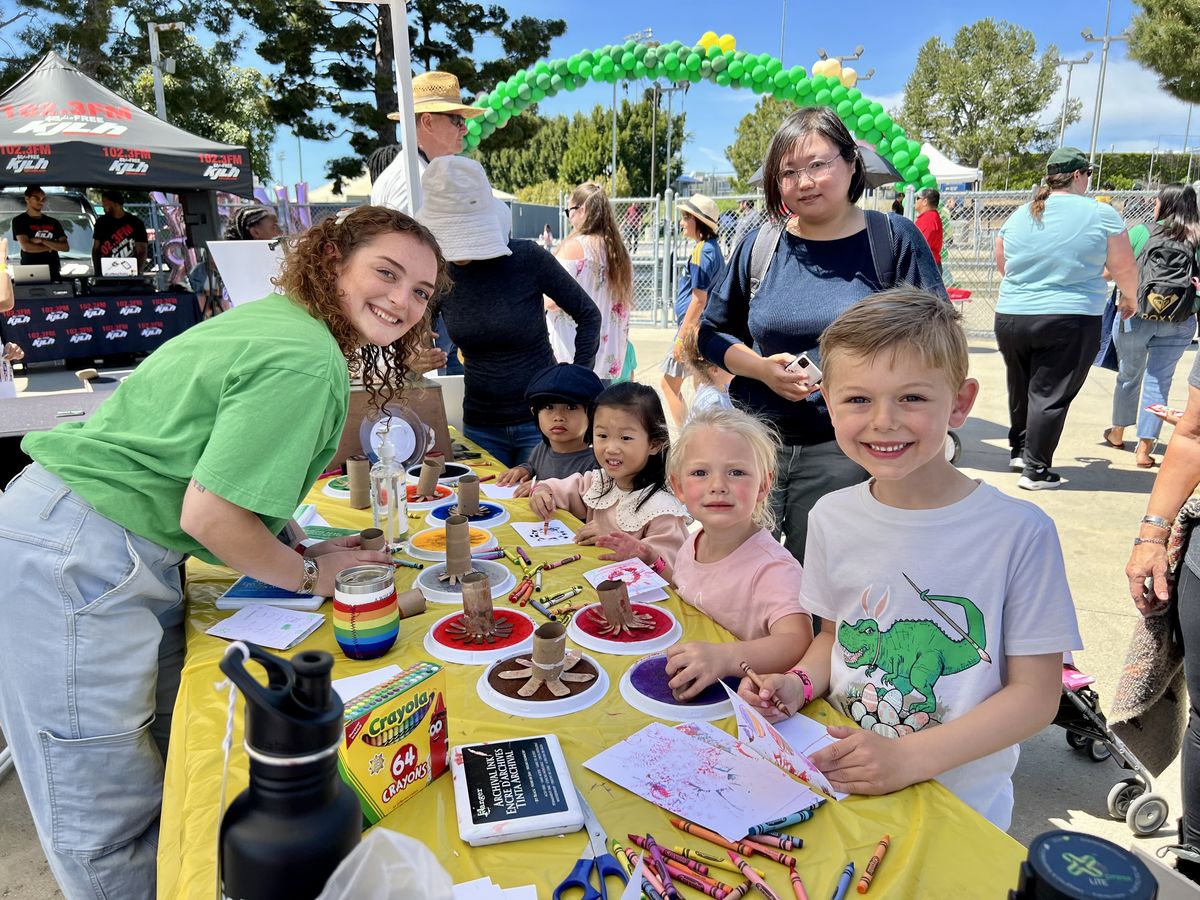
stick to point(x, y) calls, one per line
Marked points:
point(983, 95)
point(753, 136)
point(339, 60)
point(1166, 40)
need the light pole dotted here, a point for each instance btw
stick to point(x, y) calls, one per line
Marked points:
point(782, 28)
point(858, 51)
point(159, 65)
point(1070, 64)
point(1107, 41)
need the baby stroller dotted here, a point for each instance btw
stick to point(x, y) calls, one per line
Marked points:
point(1132, 798)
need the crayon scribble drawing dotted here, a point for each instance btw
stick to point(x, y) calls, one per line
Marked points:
point(638, 576)
point(762, 736)
point(697, 780)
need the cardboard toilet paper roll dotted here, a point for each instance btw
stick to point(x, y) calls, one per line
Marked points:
point(468, 495)
point(371, 539)
point(550, 650)
point(358, 473)
point(410, 603)
point(478, 612)
point(431, 471)
point(458, 546)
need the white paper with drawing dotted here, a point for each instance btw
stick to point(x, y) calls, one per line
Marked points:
point(726, 792)
point(544, 534)
point(642, 582)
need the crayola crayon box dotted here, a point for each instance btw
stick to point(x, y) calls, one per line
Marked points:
point(396, 739)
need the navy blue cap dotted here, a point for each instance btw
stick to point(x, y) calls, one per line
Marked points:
point(564, 381)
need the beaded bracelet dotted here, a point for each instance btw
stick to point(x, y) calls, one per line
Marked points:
point(1162, 542)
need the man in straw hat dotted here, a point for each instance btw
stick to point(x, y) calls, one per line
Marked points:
point(441, 124)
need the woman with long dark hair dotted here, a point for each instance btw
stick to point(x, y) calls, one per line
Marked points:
point(828, 255)
point(1149, 344)
point(205, 450)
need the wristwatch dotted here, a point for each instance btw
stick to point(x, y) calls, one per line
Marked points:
point(310, 576)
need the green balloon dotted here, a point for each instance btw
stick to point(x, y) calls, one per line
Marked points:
point(875, 108)
point(774, 67)
point(818, 82)
point(884, 146)
point(569, 83)
point(509, 103)
point(723, 79)
point(490, 117)
point(758, 86)
point(607, 65)
point(758, 73)
point(901, 159)
point(911, 174)
point(804, 87)
point(560, 67)
point(542, 68)
point(788, 93)
point(523, 92)
point(693, 62)
point(639, 51)
point(538, 94)
point(823, 97)
point(720, 63)
point(586, 56)
point(921, 161)
point(914, 148)
point(873, 137)
point(897, 133)
point(573, 65)
point(472, 140)
point(883, 121)
point(651, 58)
point(639, 71)
point(839, 93)
point(473, 126)
point(740, 55)
point(504, 115)
point(853, 95)
point(845, 109)
point(705, 68)
point(542, 80)
point(629, 45)
point(714, 50)
point(671, 63)
point(864, 123)
point(929, 180)
point(628, 61)
point(796, 73)
point(736, 69)
point(556, 83)
point(488, 128)
point(585, 69)
point(781, 80)
point(481, 100)
point(861, 104)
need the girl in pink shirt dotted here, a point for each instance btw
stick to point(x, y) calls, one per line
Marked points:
point(732, 569)
point(626, 505)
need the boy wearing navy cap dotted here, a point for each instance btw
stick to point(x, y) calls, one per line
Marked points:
point(562, 399)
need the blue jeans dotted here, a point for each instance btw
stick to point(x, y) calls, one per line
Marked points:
point(511, 444)
point(453, 365)
point(1149, 349)
point(91, 647)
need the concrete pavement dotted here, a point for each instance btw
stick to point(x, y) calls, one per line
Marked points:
point(1096, 514)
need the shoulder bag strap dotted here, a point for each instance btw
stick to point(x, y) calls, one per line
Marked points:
point(763, 252)
point(879, 235)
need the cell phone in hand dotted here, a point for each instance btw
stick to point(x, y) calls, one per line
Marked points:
point(802, 363)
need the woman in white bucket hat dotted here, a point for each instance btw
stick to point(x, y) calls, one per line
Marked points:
point(495, 313)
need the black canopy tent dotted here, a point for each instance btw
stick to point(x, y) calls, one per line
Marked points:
point(58, 126)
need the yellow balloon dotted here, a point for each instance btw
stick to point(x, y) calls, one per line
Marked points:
point(708, 39)
point(818, 67)
point(848, 77)
point(833, 68)
point(727, 42)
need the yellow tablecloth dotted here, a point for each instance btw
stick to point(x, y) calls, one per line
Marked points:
point(940, 847)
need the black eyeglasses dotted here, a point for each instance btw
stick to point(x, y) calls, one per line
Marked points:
point(456, 120)
point(570, 209)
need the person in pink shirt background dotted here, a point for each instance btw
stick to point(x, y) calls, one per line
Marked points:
point(733, 570)
point(626, 504)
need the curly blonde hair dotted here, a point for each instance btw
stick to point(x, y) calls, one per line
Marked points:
point(310, 279)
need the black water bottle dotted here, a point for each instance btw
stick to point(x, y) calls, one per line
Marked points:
point(284, 835)
point(1067, 865)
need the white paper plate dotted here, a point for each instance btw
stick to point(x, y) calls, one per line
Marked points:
point(543, 709)
point(623, 648)
point(481, 657)
point(330, 491)
point(454, 471)
point(671, 712)
point(426, 505)
point(501, 580)
point(420, 553)
point(498, 516)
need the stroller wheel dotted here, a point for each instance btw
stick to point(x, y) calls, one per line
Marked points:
point(1146, 814)
point(1123, 794)
point(1098, 751)
point(1076, 741)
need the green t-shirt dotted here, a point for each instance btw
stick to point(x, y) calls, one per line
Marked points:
point(250, 403)
point(1139, 234)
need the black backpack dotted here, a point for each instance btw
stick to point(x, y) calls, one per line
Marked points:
point(1165, 270)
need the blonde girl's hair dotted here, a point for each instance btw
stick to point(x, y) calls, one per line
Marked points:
point(598, 219)
point(700, 365)
point(759, 437)
point(310, 279)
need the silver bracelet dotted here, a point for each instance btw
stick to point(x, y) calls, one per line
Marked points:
point(1157, 522)
point(310, 576)
point(1162, 542)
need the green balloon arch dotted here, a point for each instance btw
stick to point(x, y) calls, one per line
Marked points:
point(761, 73)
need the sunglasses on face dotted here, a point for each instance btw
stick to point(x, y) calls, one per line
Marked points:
point(570, 209)
point(455, 119)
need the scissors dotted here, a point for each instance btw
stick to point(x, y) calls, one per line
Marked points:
point(595, 856)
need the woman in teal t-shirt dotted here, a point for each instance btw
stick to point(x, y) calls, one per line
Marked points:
point(206, 449)
point(1149, 349)
point(1053, 253)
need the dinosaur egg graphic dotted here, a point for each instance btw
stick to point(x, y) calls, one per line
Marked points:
point(857, 710)
point(894, 698)
point(870, 698)
point(887, 714)
point(886, 730)
point(902, 730)
point(917, 721)
point(868, 722)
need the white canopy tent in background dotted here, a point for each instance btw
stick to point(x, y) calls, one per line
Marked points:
point(948, 172)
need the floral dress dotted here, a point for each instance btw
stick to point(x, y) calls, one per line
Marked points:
point(591, 273)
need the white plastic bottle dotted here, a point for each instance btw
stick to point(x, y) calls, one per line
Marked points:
point(389, 497)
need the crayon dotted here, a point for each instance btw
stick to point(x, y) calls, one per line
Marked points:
point(868, 874)
point(759, 884)
point(712, 861)
point(545, 528)
point(698, 867)
point(753, 676)
point(797, 885)
point(407, 564)
point(563, 562)
point(779, 841)
point(647, 872)
point(512, 557)
point(525, 556)
point(787, 821)
point(660, 866)
point(491, 554)
point(843, 884)
point(784, 859)
point(564, 596)
point(623, 858)
point(545, 612)
point(486, 478)
point(741, 890)
point(516, 594)
point(526, 592)
point(711, 882)
point(537, 585)
point(684, 875)
point(713, 838)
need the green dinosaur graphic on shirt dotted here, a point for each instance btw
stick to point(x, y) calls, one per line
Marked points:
point(914, 654)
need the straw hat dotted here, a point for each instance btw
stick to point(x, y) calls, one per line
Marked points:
point(702, 207)
point(438, 92)
point(460, 210)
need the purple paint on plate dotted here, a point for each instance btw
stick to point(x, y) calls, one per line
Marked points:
point(649, 678)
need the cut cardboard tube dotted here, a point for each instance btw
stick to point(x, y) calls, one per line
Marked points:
point(431, 470)
point(371, 539)
point(410, 603)
point(616, 609)
point(468, 496)
point(458, 547)
point(478, 612)
point(358, 474)
point(549, 651)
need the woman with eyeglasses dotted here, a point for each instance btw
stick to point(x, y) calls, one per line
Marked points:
point(1053, 253)
point(822, 263)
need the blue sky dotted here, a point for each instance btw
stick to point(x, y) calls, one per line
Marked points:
point(1136, 114)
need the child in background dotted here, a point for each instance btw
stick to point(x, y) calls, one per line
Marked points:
point(712, 382)
point(626, 505)
point(563, 400)
point(732, 569)
point(946, 602)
